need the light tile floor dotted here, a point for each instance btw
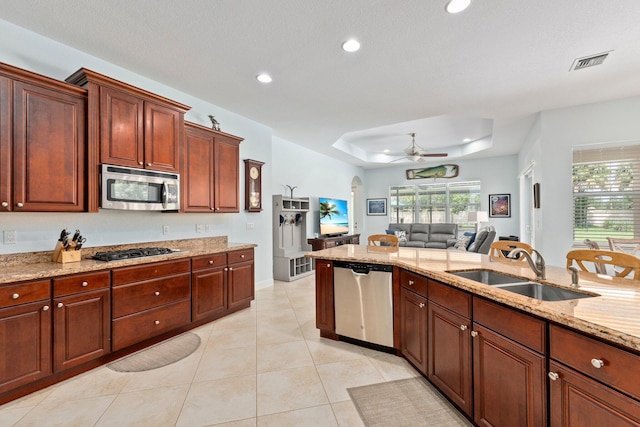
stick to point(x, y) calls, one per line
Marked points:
point(263, 366)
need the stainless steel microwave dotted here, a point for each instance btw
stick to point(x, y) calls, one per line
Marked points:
point(139, 189)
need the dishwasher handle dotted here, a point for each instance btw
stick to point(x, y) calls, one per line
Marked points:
point(362, 268)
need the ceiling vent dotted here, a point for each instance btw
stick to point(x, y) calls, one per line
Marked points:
point(589, 61)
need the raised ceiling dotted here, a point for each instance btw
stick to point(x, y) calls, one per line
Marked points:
point(498, 62)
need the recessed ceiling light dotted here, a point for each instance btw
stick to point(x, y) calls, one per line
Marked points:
point(264, 78)
point(456, 6)
point(466, 140)
point(386, 150)
point(351, 45)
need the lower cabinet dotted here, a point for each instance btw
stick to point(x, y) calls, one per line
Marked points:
point(240, 279)
point(413, 328)
point(325, 311)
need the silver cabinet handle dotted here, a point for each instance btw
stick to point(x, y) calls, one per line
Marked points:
point(553, 376)
point(410, 282)
point(140, 163)
point(19, 205)
point(148, 164)
point(45, 308)
point(597, 363)
point(230, 268)
point(226, 269)
point(242, 256)
point(156, 293)
point(60, 305)
point(474, 334)
point(421, 305)
point(157, 322)
point(463, 327)
point(5, 204)
point(15, 296)
point(210, 261)
point(85, 284)
point(328, 265)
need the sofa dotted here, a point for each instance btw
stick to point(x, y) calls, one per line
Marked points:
point(437, 235)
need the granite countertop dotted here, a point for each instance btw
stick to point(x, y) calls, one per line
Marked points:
point(613, 316)
point(38, 265)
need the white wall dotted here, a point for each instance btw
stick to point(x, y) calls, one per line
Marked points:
point(497, 174)
point(550, 147)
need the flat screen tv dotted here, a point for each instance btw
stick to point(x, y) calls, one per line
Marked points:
point(334, 217)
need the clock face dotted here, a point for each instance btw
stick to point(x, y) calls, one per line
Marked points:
point(254, 173)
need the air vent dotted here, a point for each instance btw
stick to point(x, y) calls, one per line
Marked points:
point(589, 61)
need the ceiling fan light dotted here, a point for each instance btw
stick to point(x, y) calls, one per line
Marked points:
point(264, 78)
point(351, 45)
point(457, 6)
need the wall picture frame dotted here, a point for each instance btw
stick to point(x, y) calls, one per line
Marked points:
point(499, 205)
point(377, 207)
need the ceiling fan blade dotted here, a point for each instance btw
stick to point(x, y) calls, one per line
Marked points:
point(433, 155)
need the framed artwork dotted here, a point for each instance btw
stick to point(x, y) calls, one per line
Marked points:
point(499, 205)
point(376, 206)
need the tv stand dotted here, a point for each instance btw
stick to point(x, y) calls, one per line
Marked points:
point(331, 242)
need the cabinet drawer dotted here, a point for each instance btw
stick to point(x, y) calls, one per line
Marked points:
point(16, 294)
point(80, 283)
point(129, 299)
point(240, 256)
point(208, 261)
point(139, 273)
point(520, 327)
point(621, 369)
point(414, 282)
point(138, 327)
point(451, 298)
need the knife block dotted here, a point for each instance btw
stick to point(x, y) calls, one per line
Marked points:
point(60, 255)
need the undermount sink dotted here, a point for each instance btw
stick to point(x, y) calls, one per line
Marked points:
point(488, 277)
point(544, 292)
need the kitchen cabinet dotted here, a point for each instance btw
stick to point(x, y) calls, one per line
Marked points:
point(591, 382)
point(508, 367)
point(42, 143)
point(325, 310)
point(25, 333)
point(149, 300)
point(449, 344)
point(413, 319)
point(210, 180)
point(208, 287)
point(240, 279)
point(82, 319)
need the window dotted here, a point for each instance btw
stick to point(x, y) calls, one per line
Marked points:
point(437, 202)
point(606, 195)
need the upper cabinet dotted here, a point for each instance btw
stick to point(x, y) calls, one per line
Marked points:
point(210, 182)
point(42, 143)
point(129, 127)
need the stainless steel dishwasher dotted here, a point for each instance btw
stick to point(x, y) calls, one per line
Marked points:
point(364, 301)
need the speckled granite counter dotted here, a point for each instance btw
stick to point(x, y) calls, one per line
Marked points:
point(613, 316)
point(38, 265)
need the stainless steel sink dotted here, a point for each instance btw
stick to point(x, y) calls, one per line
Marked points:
point(488, 277)
point(544, 292)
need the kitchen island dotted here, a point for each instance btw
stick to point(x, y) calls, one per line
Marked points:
point(500, 357)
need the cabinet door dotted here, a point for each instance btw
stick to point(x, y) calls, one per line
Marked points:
point(82, 328)
point(325, 314)
point(227, 178)
point(162, 137)
point(25, 344)
point(197, 176)
point(6, 146)
point(208, 293)
point(450, 355)
point(576, 400)
point(413, 328)
point(49, 149)
point(240, 285)
point(509, 382)
point(121, 128)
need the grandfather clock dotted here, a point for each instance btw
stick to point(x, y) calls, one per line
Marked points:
point(252, 185)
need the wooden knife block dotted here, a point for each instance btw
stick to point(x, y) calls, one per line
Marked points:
point(60, 255)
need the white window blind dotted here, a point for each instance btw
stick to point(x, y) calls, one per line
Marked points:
point(606, 193)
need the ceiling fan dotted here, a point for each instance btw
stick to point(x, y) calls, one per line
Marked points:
point(416, 153)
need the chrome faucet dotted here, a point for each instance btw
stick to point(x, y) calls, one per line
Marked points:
point(538, 266)
point(575, 276)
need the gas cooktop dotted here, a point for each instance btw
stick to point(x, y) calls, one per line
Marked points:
point(131, 253)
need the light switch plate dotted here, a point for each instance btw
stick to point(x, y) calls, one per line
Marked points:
point(9, 237)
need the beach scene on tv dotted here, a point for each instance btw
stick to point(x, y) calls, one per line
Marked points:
point(334, 217)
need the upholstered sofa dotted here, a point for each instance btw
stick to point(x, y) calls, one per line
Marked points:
point(437, 235)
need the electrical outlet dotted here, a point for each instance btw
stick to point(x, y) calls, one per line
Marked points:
point(9, 237)
point(199, 228)
point(207, 228)
point(165, 229)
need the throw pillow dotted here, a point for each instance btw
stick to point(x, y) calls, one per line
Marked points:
point(392, 232)
point(462, 243)
point(472, 235)
point(402, 236)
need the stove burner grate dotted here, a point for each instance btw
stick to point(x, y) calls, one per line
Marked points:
point(130, 253)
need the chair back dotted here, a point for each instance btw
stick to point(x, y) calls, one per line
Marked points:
point(383, 240)
point(630, 246)
point(600, 267)
point(627, 263)
point(501, 248)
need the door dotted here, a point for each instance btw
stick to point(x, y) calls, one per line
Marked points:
point(227, 175)
point(121, 128)
point(325, 319)
point(209, 293)
point(162, 137)
point(6, 146)
point(197, 177)
point(240, 285)
point(413, 328)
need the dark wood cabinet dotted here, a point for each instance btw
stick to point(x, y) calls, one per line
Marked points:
point(325, 310)
point(320, 243)
point(209, 287)
point(42, 143)
point(413, 328)
point(226, 168)
point(25, 333)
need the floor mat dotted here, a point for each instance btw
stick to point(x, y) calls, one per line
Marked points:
point(159, 355)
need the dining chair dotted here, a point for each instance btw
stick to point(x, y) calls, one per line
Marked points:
point(501, 248)
point(630, 246)
point(383, 240)
point(600, 267)
point(625, 263)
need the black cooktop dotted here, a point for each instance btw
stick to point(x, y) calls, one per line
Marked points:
point(130, 253)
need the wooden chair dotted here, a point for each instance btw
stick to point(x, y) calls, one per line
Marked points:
point(625, 262)
point(501, 248)
point(383, 240)
point(600, 267)
point(630, 246)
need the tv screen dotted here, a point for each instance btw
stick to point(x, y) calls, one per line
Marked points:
point(334, 217)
